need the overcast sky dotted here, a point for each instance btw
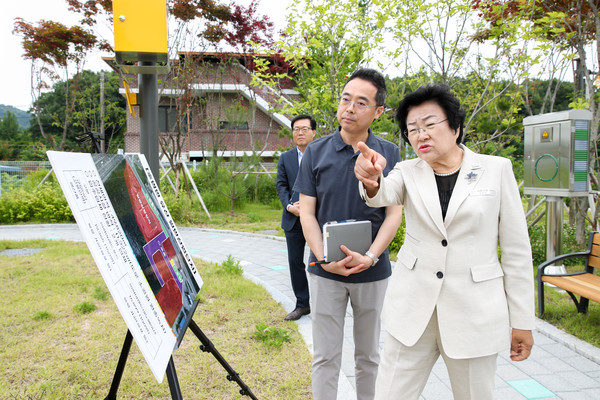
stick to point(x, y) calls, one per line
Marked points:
point(15, 83)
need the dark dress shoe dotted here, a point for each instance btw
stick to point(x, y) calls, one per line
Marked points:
point(297, 313)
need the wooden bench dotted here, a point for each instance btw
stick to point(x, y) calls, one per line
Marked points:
point(585, 284)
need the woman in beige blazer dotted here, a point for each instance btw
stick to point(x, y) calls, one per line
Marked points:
point(463, 283)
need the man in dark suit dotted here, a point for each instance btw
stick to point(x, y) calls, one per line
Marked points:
point(304, 128)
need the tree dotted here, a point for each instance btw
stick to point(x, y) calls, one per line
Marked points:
point(448, 42)
point(89, 114)
point(548, 47)
point(247, 28)
point(193, 20)
point(9, 127)
point(553, 87)
point(324, 43)
point(573, 28)
point(235, 27)
point(9, 133)
point(541, 96)
point(54, 50)
point(247, 31)
point(577, 24)
point(84, 109)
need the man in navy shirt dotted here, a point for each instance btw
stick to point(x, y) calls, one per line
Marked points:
point(329, 192)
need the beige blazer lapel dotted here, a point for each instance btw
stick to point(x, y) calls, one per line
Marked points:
point(468, 177)
point(427, 188)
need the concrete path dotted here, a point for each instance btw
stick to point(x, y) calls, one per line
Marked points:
point(560, 367)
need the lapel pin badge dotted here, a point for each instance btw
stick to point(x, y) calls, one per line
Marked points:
point(471, 176)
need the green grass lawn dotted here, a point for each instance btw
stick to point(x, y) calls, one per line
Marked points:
point(62, 334)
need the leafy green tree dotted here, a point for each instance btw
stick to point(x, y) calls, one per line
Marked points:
point(544, 95)
point(7, 152)
point(324, 43)
point(443, 42)
point(83, 110)
point(576, 25)
point(33, 151)
point(200, 26)
point(49, 112)
point(54, 51)
point(23, 117)
point(10, 134)
point(88, 115)
point(573, 27)
point(9, 127)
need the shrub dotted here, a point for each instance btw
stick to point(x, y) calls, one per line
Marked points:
point(230, 266)
point(46, 204)
point(84, 308)
point(254, 217)
point(275, 204)
point(264, 191)
point(215, 198)
point(41, 315)
point(398, 240)
point(32, 180)
point(184, 209)
point(214, 179)
point(100, 293)
point(10, 182)
point(271, 336)
point(537, 237)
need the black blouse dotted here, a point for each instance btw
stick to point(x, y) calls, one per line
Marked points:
point(445, 185)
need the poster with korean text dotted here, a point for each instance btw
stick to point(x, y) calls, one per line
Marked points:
point(125, 222)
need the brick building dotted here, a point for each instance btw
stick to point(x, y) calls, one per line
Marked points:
point(214, 103)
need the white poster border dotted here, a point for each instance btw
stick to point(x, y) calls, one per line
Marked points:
point(99, 224)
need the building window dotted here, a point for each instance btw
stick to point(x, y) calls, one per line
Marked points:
point(226, 125)
point(167, 119)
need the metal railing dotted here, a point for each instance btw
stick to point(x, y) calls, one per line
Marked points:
point(13, 174)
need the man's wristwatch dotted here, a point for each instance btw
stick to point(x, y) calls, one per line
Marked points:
point(372, 257)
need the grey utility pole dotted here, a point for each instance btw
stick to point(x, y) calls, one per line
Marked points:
point(148, 86)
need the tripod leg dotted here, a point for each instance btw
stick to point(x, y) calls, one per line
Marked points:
point(207, 346)
point(173, 381)
point(112, 394)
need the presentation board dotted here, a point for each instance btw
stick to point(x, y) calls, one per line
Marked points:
point(126, 224)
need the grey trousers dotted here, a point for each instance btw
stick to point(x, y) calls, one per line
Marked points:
point(329, 301)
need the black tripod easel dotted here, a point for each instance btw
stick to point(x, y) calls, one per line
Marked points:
point(207, 346)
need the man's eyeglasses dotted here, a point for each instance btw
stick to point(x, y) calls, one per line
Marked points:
point(361, 106)
point(304, 129)
point(426, 129)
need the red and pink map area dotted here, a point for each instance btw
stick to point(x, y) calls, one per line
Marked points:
point(158, 249)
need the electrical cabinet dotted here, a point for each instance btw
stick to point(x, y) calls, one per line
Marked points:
point(556, 153)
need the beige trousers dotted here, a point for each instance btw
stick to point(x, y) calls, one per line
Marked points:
point(403, 370)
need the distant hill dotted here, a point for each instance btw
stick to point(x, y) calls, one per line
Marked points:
point(23, 117)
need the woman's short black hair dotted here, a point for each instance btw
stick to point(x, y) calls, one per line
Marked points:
point(440, 94)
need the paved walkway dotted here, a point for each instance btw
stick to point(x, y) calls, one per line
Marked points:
point(560, 367)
